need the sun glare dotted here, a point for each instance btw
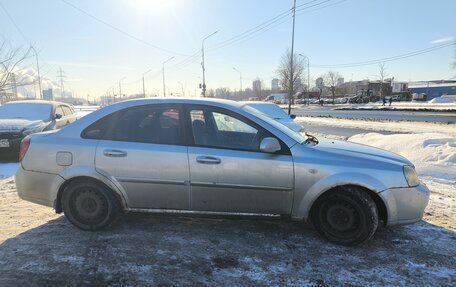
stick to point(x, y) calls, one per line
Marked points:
point(151, 6)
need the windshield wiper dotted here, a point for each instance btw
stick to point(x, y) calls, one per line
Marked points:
point(311, 139)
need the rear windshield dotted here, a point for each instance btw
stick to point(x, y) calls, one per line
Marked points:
point(26, 111)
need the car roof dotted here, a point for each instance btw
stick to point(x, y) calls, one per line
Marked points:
point(54, 103)
point(175, 100)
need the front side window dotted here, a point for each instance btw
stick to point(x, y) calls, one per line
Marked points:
point(67, 111)
point(222, 130)
point(146, 125)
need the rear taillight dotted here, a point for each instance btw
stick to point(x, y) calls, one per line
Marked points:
point(25, 144)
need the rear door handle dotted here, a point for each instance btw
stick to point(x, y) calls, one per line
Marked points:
point(208, 160)
point(114, 153)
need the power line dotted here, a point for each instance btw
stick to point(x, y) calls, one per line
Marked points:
point(387, 59)
point(14, 23)
point(120, 30)
point(267, 25)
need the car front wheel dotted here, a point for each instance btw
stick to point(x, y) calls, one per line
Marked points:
point(345, 215)
point(89, 205)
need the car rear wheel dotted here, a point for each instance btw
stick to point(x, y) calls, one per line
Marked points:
point(90, 205)
point(346, 216)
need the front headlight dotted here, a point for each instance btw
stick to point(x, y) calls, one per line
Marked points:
point(411, 176)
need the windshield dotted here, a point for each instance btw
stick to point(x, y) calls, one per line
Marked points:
point(270, 110)
point(289, 132)
point(26, 111)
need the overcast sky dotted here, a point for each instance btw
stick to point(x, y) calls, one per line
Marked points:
point(138, 35)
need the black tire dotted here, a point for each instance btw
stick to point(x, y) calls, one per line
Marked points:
point(90, 205)
point(346, 216)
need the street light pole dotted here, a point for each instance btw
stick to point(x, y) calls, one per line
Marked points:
point(163, 72)
point(308, 75)
point(240, 78)
point(203, 87)
point(144, 86)
point(120, 88)
point(291, 59)
point(38, 70)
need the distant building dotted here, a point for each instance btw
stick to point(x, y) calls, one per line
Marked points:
point(256, 85)
point(433, 89)
point(275, 84)
point(398, 87)
point(48, 95)
point(319, 82)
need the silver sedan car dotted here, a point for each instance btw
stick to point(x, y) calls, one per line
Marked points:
point(215, 157)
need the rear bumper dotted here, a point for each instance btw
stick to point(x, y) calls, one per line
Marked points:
point(405, 205)
point(38, 187)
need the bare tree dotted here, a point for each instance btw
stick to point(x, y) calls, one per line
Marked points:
point(9, 59)
point(331, 78)
point(285, 71)
point(381, 76)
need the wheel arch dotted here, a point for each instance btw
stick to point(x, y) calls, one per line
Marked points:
point(381, 206)
point(363, 182)
point(89, 173)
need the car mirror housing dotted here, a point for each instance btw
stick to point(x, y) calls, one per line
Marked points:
point(293, 117)
point(270, 145)
point(58, 116)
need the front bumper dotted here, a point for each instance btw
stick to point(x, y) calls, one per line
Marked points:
point(405, 205)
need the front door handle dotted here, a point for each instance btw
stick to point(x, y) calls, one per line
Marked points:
point(208, 160)
point(114, 153)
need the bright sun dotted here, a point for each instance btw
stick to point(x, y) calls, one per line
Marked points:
point(151, 6)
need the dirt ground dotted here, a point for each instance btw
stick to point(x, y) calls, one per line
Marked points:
point(40, 248)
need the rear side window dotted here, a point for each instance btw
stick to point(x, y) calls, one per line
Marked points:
point(146, 124)
point(67, 110)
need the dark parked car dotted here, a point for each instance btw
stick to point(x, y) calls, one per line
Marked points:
point(21, 118)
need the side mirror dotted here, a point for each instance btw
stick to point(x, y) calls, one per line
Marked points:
point(270, 145)
point(293, 117)
point(58, 116)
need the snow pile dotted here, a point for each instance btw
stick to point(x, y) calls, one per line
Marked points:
point(443, 100)
point(433, 154)
point(377, 125)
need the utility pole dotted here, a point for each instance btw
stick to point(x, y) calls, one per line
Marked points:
point(203, 87)
point(163, 72)
point(291, 58)
point(182, 88)
point(144, 86)
point(120, 88)
point(38, 70)
point(240, 79)
point(61, 75)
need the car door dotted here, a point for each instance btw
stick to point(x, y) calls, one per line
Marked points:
point(228, 172)
point(144, 150)
point(59, 117)
point(69, 115)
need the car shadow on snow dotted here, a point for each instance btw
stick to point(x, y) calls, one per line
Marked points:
point(147, 249)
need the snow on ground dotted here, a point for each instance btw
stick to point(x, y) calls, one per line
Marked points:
point(437, 104)
point(376, 125)
point(85, 110)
